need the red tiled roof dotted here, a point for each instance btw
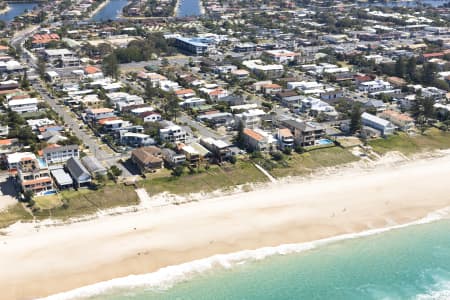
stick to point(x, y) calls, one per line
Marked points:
point(103, 121)
point(6, 142)
point(91, 70)
point(254, 135)
point(184, 92)
point(45, 38)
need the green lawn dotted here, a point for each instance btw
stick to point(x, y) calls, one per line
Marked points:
point(207, 180)
point(48, 202)
point(305, 163)
point(433, 139)
point(13, 214)
point(85, 201)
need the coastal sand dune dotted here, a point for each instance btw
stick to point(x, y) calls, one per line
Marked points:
point(41, 261)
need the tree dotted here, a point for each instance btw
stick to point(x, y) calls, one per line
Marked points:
point(150, 90)
point(28, 195)
point(400, 67)
point(41, 67)
point(115, 170)
point(171, 106)
point(422, 110)
point(411, 67)
point(355, 119)
point(178, 171)
point(429, 73)
point(24, 82)
point(110, 66)
point(240, 139)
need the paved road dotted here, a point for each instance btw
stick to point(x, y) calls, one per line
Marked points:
point(92, 142)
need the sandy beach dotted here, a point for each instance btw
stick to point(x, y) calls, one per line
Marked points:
point(40, 261)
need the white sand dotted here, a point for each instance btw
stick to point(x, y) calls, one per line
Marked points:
point(45, 261)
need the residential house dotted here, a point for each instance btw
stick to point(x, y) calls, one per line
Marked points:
point(217, 119)
point(285, 138)
point(24, 105)
point(111, 125)
point(385, 127)
point(378, 105)
point(95, 114)
point(402, 121)
point(172, 158)
point(289, 99)
point(281, 56)
point(219, 149)
point(261, 69)
point(271, 88)
point(56, 154)
point(94, 167)
point(172, 133)
point(305, 133)
point(331, 96)
point(191, 154)
point(257, 140)
point(250, 118)
point(61, 178)
point(40, 41)
point(122, 99)
point(150, 116)
point(80, 175)
point(136, 139)
point(61, 57)
point(240, 74)
point(192, 102)
point(13, 160)
point(147, 159)
point(374, 86)
point(185, 93)
point(33, 175)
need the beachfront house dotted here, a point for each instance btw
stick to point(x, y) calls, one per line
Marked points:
point(80, 175)
point(147, 159)
point(305, 133)
point(385, 127)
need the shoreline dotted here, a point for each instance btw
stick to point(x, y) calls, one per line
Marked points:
point(5, 10)
point(347, 202)
point(171, 275)
point(98, 9)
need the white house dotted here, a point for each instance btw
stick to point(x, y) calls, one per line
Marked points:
point(57, 155)
point(382, 125)
point(282, 56)
point(172, 133)
point(250, 118)
point(24, 105)
point(374, 86)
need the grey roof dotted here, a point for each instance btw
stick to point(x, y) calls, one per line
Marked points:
point(61, 177)
point(303, 126)
point(77, 170)
point(59, 149)
point(374, 103)
point(93, 165)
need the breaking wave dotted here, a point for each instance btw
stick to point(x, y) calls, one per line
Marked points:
point(166, 277)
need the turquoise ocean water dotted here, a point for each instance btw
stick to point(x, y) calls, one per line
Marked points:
point(405, 263)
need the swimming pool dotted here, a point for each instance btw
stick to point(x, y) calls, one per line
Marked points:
point(324, 142)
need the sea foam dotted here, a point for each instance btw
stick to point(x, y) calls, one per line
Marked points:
point(166, 277)
point(439, 291)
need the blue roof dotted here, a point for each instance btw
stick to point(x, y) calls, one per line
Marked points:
point(197, 41)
